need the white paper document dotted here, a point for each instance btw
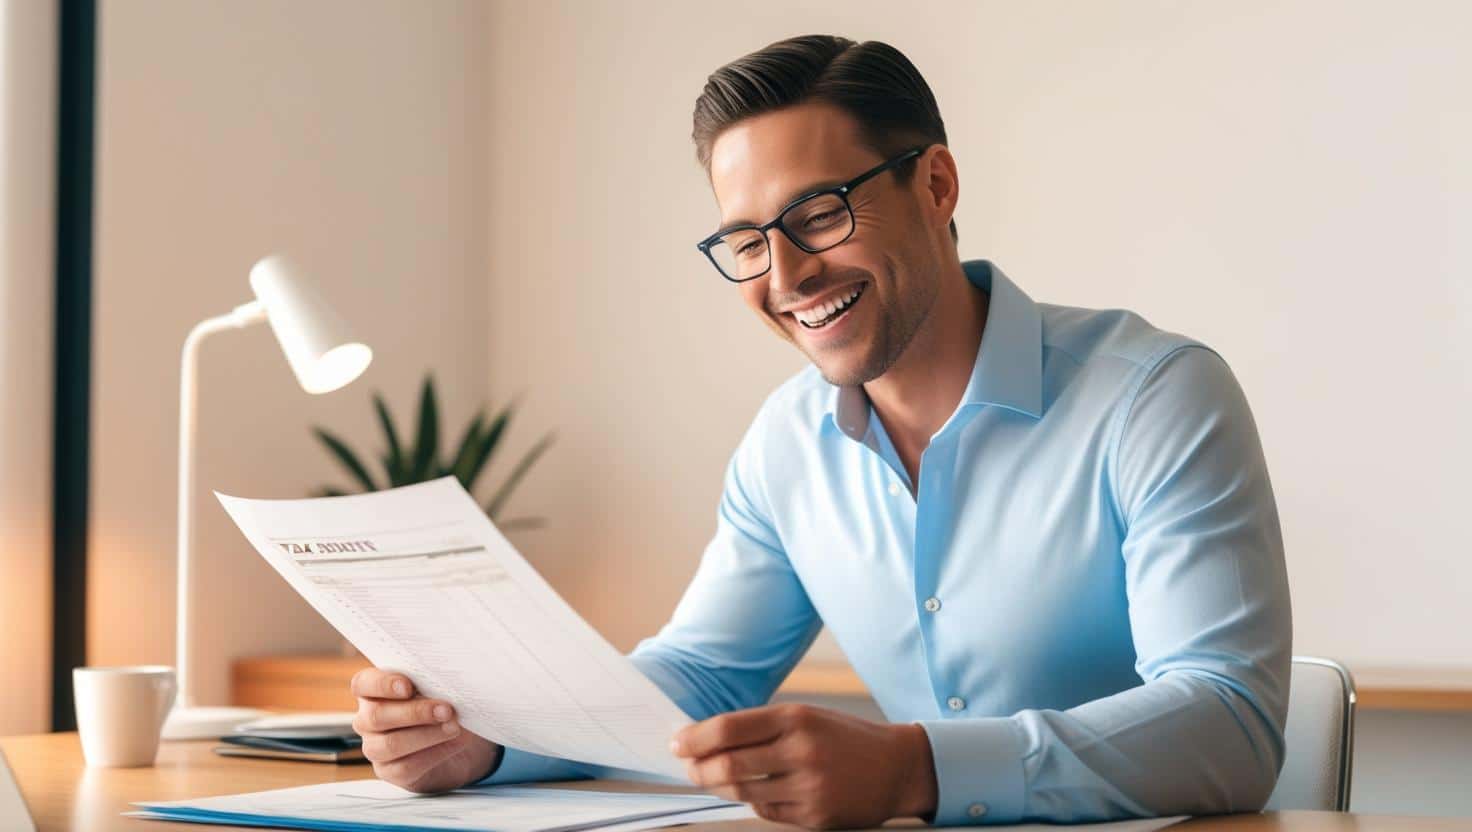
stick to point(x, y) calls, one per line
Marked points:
point(420, 581)
point(1136, 825)
point(376, 805)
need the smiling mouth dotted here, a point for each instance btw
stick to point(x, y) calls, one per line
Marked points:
point(821, 316)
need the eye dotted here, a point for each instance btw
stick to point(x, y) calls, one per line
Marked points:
point(821, 219)
point(750, 249)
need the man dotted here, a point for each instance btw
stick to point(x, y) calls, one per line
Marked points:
point(1044, 536)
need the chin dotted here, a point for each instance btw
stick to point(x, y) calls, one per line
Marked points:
point(844, 373)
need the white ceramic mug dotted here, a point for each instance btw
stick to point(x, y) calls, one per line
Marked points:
point(121, 711)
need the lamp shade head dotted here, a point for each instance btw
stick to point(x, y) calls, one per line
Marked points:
point(318, 346)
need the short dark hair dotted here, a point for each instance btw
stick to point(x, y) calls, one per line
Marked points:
point(871, 81)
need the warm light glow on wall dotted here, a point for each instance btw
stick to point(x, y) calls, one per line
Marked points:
point(25, 615)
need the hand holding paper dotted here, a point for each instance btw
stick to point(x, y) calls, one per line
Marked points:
point(421, 581)
point(413, 741)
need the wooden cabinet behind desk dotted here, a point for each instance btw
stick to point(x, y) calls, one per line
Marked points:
point(320, 683)
point(308, 683)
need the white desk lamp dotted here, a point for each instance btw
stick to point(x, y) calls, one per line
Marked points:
point(324, 358)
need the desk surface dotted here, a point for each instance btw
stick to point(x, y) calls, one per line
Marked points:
point(64, 794)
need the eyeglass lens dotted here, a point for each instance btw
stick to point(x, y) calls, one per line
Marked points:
point(818, 223)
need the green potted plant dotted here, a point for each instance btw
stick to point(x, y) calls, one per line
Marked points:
point(405, 464)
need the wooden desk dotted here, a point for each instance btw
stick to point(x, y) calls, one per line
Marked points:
point(64, 794)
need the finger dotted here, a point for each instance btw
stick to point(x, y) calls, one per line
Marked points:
point(381, 684)
point(731, 730)
point(392, 745)
point(414, 772)
point(739, 765)
point(779, 812)
point(778, 789)
point(376, 715)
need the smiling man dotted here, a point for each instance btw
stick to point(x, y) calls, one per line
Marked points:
point(1043, 535)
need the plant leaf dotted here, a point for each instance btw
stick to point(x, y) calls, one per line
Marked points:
point(504, 492)
point(426, 446)
point(521, 523)
point(469, 447)
point(396, 478)
point(393, 461)
point(348, 459)
point(489, 439)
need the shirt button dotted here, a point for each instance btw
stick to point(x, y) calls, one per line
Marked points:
point(894, 489)
point(976, 810)
point(932, 604)
point(956, 703)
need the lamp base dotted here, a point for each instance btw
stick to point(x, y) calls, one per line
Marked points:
point(206, 723)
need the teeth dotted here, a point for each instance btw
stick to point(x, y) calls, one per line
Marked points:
point(826, 310)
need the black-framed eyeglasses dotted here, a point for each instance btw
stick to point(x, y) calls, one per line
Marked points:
point(814, 222)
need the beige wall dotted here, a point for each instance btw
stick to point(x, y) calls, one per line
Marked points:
point(1290, 182)
point(509, 191)
point(346, 131)
point(599, 305)
point(27, 276)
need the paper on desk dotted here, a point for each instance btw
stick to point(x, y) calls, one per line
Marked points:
point(376, 805)
point(1135, 825)
point(420, 581)
point(300, 726)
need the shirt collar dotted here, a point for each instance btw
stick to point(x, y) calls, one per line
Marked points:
point(1007, 372)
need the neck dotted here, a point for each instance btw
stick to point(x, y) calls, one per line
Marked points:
point(921, 391)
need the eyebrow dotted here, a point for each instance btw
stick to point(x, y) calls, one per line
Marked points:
point(792, 197)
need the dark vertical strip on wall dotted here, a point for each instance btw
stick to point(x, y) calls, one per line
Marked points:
point(77, 76)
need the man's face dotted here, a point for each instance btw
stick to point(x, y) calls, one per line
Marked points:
point(761, 164)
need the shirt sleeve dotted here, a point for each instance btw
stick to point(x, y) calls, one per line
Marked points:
point(743, 622)
point(1210, 616)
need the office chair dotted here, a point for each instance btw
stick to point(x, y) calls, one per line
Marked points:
point(1319, 738)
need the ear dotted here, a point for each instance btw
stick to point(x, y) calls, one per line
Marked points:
point(936, 174)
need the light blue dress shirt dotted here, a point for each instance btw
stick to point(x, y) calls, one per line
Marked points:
point(1083, 600)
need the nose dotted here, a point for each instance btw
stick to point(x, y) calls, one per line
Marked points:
point(790, 264)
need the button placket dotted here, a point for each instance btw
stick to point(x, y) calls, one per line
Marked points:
point(932, 513)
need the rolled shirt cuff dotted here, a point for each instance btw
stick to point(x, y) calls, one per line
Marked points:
point(978, 770)
point(519, 766)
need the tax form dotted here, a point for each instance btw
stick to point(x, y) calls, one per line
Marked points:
point(376, 806)
point(420, 581)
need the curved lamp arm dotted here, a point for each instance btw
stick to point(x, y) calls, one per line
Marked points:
point(242, 316)
point(324, 356)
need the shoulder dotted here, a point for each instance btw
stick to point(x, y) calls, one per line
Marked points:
point(776, 438)
point(786, 420)
point(1109, 340)
point(1138, 375)
point(795, 410)
point(1171, 409)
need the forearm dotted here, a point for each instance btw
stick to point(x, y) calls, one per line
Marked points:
point(1182, 744)
point(517, 766)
